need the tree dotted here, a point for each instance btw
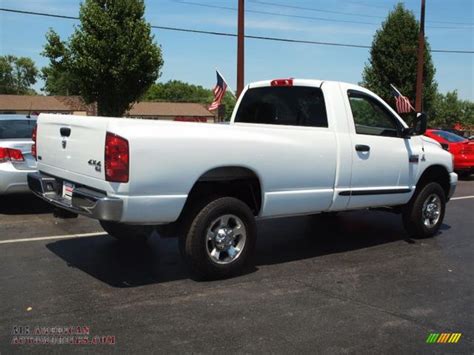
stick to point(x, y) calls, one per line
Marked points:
point(393, 59)
point(111, 58)
point(17, 74)
point(58, 77)
point(178, 91)
point(449, 110)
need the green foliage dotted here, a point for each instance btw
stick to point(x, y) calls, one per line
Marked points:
point(449, 110)
point(58, 79)
point(393, 60)
point(178, 91)
point(17, 74)
point(111, 58)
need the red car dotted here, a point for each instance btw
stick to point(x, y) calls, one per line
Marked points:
point(461, 148)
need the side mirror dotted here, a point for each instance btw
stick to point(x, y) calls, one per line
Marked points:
point(419, 126)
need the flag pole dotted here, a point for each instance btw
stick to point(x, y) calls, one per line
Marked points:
point(228, 86)
point(396, 90)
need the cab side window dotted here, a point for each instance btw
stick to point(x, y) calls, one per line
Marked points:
point(371, 117)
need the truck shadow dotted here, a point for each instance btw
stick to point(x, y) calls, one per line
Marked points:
point(280, 241)
point(466, 177)
point(23, 204)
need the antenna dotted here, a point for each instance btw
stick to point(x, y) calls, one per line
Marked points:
point(29, 112)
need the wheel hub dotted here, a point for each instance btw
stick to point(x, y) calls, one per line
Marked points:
point(226, 238)
point(431, 210)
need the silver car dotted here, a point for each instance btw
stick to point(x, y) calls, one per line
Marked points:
point(16, 160)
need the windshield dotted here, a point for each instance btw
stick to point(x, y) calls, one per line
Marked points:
point(11, 129)
point(450, 137)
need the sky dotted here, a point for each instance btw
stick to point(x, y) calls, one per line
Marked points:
point(193, 57)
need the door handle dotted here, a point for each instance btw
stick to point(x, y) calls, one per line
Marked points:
point(362, 148)
point(65, 132)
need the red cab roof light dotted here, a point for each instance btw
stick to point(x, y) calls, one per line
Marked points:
point(116, 158)
point(282, 82)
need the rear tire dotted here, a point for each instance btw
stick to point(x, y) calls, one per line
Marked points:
point(424, 214)
point(125, 232)
point(219, 240)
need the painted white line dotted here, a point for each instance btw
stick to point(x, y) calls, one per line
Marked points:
point(461, 198)
point(68, 236)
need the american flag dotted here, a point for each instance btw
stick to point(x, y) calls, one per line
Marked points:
point(402, 103)
point(219, 92)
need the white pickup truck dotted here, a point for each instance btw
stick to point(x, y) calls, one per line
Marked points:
point(293, 147)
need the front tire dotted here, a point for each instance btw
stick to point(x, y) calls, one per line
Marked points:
point(424, 214)
point(125, 232)
point(220, 240)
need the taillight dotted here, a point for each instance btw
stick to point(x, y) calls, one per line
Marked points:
point(282, 82)
point(116, 158)
point(33, 147)
point(10, 154)
point(455, 148)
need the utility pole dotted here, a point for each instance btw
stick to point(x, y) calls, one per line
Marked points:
point(240, 48)
point(421, 60)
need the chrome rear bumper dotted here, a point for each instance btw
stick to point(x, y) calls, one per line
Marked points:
point(84, 201)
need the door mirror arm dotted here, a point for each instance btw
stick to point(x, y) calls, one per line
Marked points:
point(407, 132)
point(419, 125)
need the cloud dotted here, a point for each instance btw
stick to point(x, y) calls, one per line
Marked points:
point(230, 22)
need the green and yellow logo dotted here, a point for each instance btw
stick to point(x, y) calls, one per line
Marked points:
point(443, 338)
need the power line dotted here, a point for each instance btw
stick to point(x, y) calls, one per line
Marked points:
point(271, 13)
point(199, 4)
point(227, 34)
point(295, 7)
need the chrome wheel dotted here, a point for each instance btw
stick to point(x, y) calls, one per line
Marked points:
point(226, 238)
point(431, 211)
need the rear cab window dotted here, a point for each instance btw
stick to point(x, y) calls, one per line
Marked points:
point(286, 105)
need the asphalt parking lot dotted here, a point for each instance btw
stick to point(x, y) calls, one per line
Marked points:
point(353, 283)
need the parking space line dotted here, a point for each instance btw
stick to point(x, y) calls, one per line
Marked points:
point(461, 198)
point(68, 236)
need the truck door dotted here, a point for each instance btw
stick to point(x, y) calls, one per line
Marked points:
point(381, 172)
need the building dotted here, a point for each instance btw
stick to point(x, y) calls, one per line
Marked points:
point(74, 105)
point(175, 111)
point(35, 104)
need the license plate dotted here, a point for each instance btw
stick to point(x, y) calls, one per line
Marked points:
point(68, 188)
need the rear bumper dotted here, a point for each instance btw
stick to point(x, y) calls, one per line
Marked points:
point(453, 180)
point(464, 162)
point(13, 180)
point(84, 201)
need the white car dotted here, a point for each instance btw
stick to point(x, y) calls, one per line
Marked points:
point(16, 160)
point(293, 147)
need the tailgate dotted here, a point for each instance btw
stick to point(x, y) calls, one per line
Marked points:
point(72, 144)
